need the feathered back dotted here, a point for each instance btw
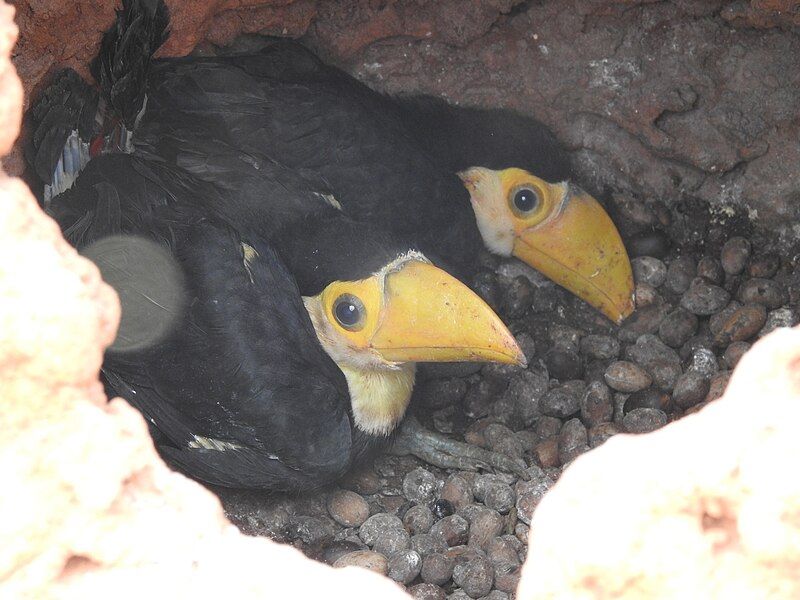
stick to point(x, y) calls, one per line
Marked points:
point(460, 137)
point(126, 49)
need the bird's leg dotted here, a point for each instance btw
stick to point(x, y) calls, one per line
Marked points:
point(443, 452)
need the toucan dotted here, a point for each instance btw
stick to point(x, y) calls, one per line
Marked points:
point(449, 179)
point(290, 348)
point(98, 184)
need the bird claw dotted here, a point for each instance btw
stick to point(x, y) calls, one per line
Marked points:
point(440, 451)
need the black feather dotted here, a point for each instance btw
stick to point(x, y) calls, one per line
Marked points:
point(122, 65)
point(68, 104)
point(242, 366)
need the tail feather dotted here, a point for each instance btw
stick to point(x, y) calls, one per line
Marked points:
point(122, 65)
point(64, 115)
point(73, 158)
point(71, 122)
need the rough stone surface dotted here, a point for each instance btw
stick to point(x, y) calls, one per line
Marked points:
point(625, 376)
point(437, 568)
point(440, 393)
point(766, 292)
point(644, 420)
point(572, 441)
point(426, 591)
point(420, 486)
point(711, 269)
point(500, 497)
point(475, 576)
point(690, 389)
point(418, 519)
point(377, 525)
point(599, 434)
point(365, 559)
point(404, 566)
point(646, 295)
point(782, 317)
point(734, 255)
point(348, 508)
point(453, 530)
point(715, 122)
point(644, 320)
point(677, 327)
point(660, 361)
point(704, 361)
point(486, 525)
point(525, 392)
point(649, 398)
point(564, 400)
point(703, 298)
point(597, 405)
point(602, 347)
point(530, 493)
point(426, 544)
point(734, 352)
point(563, 364)
point(736, 522)
point(680, 274)
point(764, 266)
point(647, 269)
point(392, 541)
point(457, 491)
point(741, 325)
point(546, 452)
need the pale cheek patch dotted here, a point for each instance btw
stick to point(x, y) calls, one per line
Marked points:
point(379, 392)
point(492, 215)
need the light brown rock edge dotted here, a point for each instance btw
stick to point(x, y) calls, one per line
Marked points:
point(708, 507)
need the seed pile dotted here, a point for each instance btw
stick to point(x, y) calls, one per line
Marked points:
point(704, 295)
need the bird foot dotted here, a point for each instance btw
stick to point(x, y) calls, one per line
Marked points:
point(441, 451)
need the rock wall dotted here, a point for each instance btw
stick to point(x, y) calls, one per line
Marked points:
point(88, 509)
point(673, 101)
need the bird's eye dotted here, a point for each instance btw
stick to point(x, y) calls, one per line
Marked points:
point(525, 200)
point(349, 312)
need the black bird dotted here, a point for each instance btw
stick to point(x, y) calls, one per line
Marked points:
point(446, 178)
point(259, 383)
point(259, 199)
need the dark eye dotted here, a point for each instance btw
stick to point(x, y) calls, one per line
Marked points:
point(349, 312)
point(525, 200)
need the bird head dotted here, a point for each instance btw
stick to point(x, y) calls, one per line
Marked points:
point(558, 229)
point(409, 311)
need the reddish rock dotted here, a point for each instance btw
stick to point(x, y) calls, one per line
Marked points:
point(220, 21)
point(718, 120)
point(763, 14)
point(347, 27)
point(348, 508)
point(11, 99)
point(546, 452)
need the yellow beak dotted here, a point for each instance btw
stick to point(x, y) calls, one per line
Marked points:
point(580, 249)
point(429, 316)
